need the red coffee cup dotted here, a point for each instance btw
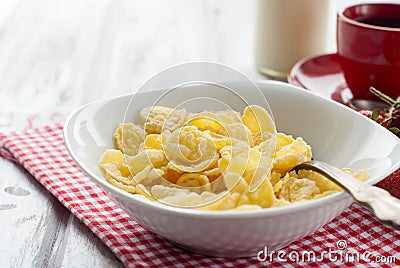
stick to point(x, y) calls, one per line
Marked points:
point(368, 41)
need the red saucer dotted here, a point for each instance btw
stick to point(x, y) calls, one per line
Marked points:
point(321, 74)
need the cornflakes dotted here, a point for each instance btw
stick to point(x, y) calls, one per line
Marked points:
point(298, 189)
point(218, 119)
point(264, 195)
point(118, 175)
point(183, 197)
point(192, 180)
point(111, 156)
point(128, 137)
point(213, 160)
point(259, 122)
point(189, 149)
point(290, 154)
point(159, 118)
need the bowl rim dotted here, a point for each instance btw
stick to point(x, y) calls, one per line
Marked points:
point(209, 214)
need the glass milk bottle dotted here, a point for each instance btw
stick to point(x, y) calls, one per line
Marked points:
point(287, 31)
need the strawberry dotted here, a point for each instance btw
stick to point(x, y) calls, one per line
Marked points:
point(394, 123)
point(391, 122)
point(374, 115)
point(393, 117)
point(391, 183)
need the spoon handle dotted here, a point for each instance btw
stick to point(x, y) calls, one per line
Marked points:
point(385, 206)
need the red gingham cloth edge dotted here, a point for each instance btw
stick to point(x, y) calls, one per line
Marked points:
point(42, 152)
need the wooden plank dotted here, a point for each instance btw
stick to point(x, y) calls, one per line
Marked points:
point(55, 234)
point(47, 56)
point(44, 52)
point(35, 218)
point(42, 232)
point(158, 35)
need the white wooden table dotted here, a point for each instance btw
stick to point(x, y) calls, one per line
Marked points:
point(58, 55)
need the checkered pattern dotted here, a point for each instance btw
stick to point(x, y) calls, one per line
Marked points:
point(42, 152)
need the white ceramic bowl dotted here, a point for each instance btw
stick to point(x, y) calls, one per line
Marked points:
point(337, 134)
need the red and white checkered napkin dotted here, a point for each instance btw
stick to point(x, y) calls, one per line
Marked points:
point(42, 152)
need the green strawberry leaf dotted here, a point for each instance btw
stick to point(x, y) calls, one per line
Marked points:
point(394, 130)
point(375, 115)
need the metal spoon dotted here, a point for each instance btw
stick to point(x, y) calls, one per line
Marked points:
point(359, 104)
point(385, 207)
